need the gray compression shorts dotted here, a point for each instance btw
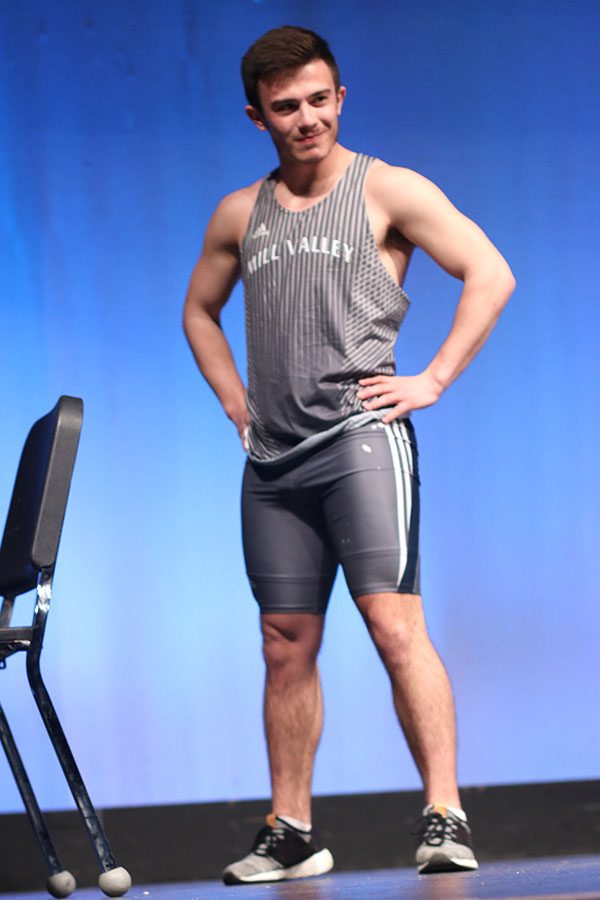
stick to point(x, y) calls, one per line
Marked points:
point(354, 501)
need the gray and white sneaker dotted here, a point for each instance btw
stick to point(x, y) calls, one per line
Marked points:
point(444, 842)
point(280, 852)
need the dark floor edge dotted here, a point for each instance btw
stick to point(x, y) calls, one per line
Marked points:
point(193, 842)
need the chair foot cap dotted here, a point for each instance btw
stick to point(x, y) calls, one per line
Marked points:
point(115, 882)
point(61, 884)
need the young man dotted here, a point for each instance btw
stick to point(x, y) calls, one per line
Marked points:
point(323, 245)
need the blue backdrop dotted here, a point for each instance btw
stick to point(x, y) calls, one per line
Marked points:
point(121, 128)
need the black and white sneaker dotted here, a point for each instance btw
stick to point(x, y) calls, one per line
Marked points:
point(444, 842)
point(280, 852)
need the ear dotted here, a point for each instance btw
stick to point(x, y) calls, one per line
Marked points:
point(340, 99)
point(255, 116)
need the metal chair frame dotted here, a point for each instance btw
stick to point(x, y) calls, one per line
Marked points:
point(27, 561)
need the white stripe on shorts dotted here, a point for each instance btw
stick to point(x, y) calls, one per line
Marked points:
point(396, 435)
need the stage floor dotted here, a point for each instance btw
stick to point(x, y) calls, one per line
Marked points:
point(573, 878)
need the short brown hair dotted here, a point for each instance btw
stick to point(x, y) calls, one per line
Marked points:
point(283, 50)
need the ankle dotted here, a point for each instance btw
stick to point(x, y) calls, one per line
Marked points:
point(298, 824)
point(443, 808)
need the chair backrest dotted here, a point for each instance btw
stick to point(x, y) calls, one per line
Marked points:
point(39, 499)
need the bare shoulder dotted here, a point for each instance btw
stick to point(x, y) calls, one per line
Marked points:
point(230, 219)
point(401, 191)
point(424, 215)
point(218, 266)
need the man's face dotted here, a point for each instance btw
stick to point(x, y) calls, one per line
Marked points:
point(300, 110)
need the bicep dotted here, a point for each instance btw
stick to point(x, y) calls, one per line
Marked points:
point(212, 281)
point(217, 270)
point(427, 218)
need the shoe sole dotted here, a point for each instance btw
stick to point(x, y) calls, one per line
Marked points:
point(439, 862)
point(317, 864)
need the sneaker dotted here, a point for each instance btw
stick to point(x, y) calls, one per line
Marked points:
point(280, 852)
point(444, 842)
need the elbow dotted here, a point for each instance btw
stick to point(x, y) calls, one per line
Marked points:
point(506, 282)
point(508, 278)
point(185, 319)
point(493, 282)
point(190, 314)
point(196, 316)
point(500, 283)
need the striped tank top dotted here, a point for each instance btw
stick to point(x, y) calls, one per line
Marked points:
point(322, 311)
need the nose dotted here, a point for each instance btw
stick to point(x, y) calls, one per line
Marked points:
point(306, 117)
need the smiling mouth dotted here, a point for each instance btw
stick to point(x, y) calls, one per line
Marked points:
point(308, 138)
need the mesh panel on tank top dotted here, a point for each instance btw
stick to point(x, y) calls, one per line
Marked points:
point(322, 311)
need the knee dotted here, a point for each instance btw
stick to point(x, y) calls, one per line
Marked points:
point(289, 649)
point(397, 637)
point(393, 643)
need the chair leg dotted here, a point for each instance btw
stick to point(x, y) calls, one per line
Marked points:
point(60, 882)
point(114, 880)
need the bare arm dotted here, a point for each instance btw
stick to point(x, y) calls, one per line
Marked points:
point(212, 281)
point(423, 214)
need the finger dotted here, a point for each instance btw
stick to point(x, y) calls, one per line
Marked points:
point(374, 379)
point(398, 412)
point(379, 402)
point(372, 391)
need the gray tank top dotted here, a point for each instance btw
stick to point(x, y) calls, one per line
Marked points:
point(322, 311)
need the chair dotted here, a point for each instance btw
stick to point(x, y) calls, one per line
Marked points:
point(27, 559)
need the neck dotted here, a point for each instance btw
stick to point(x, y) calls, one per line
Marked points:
point(311, 180)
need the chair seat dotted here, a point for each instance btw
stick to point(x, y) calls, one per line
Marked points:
point(12, 640)
point(8, 635)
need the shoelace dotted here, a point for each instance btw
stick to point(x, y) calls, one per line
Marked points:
point(434, 829)
point(269, 840)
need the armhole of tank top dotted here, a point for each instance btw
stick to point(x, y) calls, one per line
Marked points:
point(402, 293)
point(263, 189)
